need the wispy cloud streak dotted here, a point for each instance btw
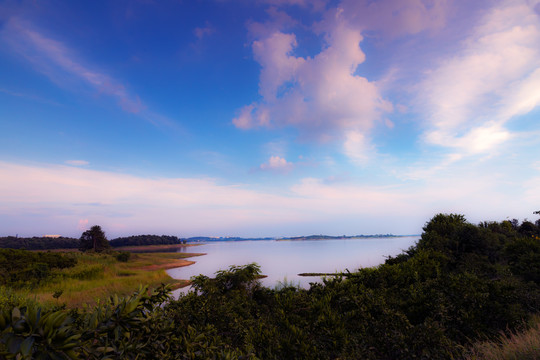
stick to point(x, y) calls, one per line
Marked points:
point(54, 59)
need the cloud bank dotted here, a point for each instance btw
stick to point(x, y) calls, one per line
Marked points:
point(66, 197)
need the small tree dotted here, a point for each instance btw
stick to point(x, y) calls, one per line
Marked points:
point(94, 239)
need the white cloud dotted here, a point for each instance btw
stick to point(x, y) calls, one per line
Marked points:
point(277, 163)
point(321, 96)
point(470, 97)
point(357, 147)
point(466, 101)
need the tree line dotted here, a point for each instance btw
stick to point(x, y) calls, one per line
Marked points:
point(139, 240)
point(48, 243)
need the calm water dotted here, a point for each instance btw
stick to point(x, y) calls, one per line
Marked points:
point(284, 260)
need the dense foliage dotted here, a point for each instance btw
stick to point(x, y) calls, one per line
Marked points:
point(139, 240)
point(20, 268)
point(461, 282)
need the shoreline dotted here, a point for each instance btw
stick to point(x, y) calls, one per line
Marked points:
point(172, 265)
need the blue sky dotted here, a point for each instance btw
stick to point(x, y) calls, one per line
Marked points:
point(266, 118)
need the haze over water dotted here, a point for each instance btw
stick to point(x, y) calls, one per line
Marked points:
point(284, 260)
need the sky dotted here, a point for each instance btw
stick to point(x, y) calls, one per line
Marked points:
point(266, 117)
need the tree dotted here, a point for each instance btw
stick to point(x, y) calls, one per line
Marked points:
point(94, 239)
point(537, 222)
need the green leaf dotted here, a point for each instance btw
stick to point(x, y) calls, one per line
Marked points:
point(26, 346)
point(14, 344)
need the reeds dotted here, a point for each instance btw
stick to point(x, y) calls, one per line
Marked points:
point(524, 345)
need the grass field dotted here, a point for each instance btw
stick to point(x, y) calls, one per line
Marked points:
point(98, 276)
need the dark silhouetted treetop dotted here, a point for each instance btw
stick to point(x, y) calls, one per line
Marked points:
point(94, 239)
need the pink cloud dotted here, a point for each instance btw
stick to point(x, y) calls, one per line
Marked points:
point(83, 224)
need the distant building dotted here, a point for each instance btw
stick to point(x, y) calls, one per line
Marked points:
point(52, 236)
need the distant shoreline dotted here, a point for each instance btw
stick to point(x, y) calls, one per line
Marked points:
point(324, 237)
point(201, 240)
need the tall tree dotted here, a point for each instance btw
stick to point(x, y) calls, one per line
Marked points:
point(94, 239)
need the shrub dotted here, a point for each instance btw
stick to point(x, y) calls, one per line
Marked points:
point(123, 256)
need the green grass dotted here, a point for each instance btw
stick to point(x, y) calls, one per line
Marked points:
point(524, 345)
point(98, 276)
point(10, 298)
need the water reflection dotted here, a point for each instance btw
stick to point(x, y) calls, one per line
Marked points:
point(284, 260)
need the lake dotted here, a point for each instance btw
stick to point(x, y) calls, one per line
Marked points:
point(282, 260)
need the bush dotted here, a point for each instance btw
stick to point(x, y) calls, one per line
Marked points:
point(123, 256)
